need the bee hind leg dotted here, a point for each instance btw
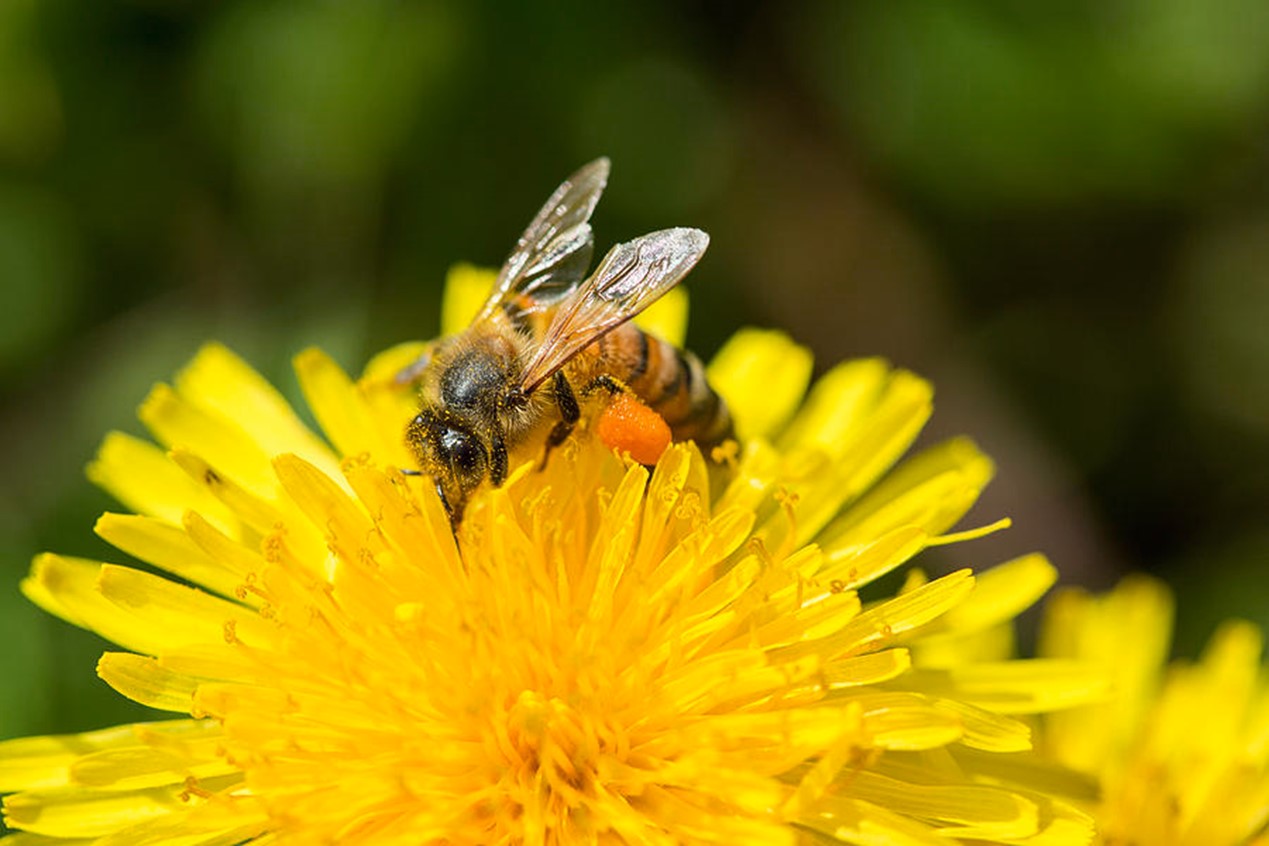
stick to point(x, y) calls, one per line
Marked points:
point(607, 383)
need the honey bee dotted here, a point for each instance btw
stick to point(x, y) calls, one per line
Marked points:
point(548, 340)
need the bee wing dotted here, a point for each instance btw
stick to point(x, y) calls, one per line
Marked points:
point(552, 254)
point(630, 278)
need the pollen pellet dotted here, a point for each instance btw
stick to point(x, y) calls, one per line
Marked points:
point(628, 425)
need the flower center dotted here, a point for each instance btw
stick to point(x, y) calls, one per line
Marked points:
point(553, 756)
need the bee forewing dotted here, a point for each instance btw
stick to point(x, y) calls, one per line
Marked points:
point(630, 278)
point(641, 270)
point(540, 265)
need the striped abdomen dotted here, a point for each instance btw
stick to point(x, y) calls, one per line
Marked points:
point(668, 380)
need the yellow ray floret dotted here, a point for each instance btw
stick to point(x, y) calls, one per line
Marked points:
point(1181, 753)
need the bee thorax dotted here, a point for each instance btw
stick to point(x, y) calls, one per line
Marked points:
point(475, 380)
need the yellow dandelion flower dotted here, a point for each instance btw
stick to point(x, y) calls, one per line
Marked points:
point(606, 653)
point(1181, 752)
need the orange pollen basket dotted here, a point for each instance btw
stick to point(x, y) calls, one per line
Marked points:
point(626, 424)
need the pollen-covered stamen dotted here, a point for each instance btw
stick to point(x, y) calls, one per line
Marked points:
point(554, 749)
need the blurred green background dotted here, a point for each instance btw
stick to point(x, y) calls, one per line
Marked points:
point(1058, 211)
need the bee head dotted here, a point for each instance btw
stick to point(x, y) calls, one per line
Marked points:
point(452, 453)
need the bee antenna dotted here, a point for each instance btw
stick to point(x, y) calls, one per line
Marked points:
point(406, 471)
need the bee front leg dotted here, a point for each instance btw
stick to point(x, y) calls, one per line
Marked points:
point(497, 461)
point(570, 413)
point(449, 509)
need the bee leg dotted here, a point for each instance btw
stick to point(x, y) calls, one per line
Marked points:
point(570, 413)
point(449, 509)
point(608, 383)
point(413, 372)
point(569, 409)
point(497, 461)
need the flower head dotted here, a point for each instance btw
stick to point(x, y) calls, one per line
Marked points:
point(604, 653)
point(1182, 752)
